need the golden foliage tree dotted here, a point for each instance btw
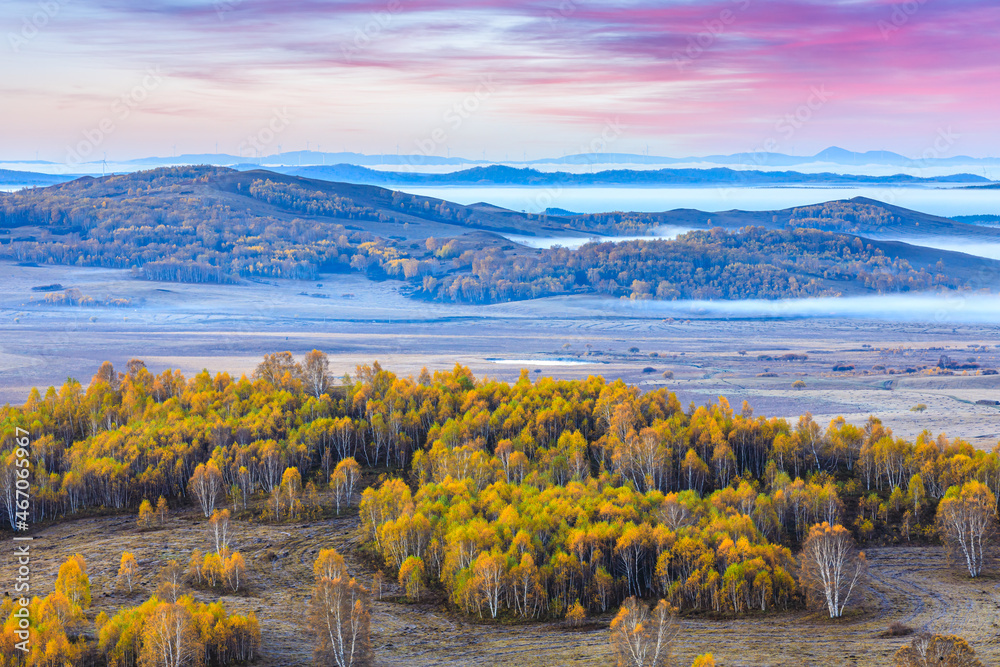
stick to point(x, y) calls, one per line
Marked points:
point(73, 582)
point(162, 510)
point(966, 519)
point(343, 480)
point(927, 650)
point(171, 581)
point(128, 571)
point(316, 373)
point(145, 519)
point(411, 577)
point(330, 564)
point(170, 638)
point(234, 570)
point(219, 523)
point(831, 566)
point(576, 614)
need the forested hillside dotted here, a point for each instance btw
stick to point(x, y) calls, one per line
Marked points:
point(209, 224)
point(751, 263)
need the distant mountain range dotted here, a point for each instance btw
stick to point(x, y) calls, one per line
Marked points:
point(832, 155)
point(503, 175)
point(10, 177)
point(500, 175)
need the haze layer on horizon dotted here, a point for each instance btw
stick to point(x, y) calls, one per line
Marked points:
point(515, 79)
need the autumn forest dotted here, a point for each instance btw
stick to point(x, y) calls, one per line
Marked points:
point(510, 503)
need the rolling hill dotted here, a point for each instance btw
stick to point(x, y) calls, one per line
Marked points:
point(210, 224)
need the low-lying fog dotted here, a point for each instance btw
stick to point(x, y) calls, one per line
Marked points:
point(916, 168)
point(936, 201)
point(938, 309)
point(667, 232)
point(954, 244)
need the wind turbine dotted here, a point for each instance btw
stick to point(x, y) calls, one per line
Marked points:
point(104, 165)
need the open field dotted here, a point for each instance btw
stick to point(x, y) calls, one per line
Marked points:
point(908, 584)
point(230, 328)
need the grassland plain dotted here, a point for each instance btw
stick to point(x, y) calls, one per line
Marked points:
point(354, 320)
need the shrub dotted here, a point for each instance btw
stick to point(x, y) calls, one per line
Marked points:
point(898, 629)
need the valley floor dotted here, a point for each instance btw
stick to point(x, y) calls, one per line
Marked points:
point(356, 321)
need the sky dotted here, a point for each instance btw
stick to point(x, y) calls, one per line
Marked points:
point(504, 80)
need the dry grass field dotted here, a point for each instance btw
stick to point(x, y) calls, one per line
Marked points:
point(912, 585)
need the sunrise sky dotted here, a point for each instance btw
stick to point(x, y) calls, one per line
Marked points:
point(535, 78)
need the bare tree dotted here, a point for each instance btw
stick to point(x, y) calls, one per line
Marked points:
point(927, 650)
point(207, 486)
point(171, 582)
point(966, 520)
point(220, 527)
point(643, 638)
point(831, 565)
point(339, 617)
point(316, 373)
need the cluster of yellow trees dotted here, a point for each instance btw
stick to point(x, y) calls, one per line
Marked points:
point(187, 631)
point(523, 498)
point(168, 624)
point(54, 622)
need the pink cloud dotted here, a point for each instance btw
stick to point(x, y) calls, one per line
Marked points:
point(728, 69)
